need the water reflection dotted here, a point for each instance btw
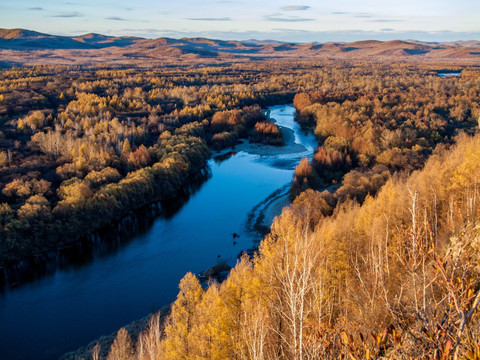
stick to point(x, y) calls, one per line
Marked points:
point(223, 157)
point(103, 243)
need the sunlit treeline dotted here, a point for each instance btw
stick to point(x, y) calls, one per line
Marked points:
point(383, 120)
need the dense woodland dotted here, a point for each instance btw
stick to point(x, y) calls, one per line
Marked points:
point(81, 147)
point(384, 266)
point(370, 130)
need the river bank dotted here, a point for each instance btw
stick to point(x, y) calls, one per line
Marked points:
point(274, 209)
point(105, 342)
point(289, 147)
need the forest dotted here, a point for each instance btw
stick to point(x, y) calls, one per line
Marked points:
point(394, 277)
point(385, 265)
point(81, 148)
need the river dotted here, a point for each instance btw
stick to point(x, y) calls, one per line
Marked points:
point(77, 304)
point(448, 73)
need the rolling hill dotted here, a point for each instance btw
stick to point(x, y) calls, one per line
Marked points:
point(20, 46)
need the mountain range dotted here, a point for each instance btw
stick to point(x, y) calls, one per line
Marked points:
point(20, 46)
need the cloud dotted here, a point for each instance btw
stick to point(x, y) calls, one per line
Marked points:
point(294, 8)
point(211, 19)
point(116, 18)
point(362, 15)
point(385, 20)
point(147, 32)
point(36, 8)
point(387, 30)
point(278, 18)
point(69, 15)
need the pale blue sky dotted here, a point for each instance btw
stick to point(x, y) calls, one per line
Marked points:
point(300, 21)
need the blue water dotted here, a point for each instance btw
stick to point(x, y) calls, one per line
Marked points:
point(76, 305)
point(443, 74)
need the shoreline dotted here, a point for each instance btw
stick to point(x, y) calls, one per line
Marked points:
point(289, 146)
point(274, 209)
point(105, 341)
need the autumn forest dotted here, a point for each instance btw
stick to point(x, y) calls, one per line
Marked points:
point(377, 256)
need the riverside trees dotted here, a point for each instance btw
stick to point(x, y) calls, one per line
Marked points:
point(395, 277)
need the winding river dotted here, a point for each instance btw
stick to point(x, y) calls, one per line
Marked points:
point(78, 304)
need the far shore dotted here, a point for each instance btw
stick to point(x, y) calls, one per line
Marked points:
point(289, 146)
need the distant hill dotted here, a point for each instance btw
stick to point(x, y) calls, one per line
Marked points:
point(100, 40)
point(18, 33)
point(26, 39)
point(97, 48)
point(19, 39)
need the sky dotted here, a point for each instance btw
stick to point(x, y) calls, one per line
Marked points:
point(289, 20)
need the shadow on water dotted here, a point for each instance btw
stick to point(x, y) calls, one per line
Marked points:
point(224, 157)
point(287, 164)
point(103, 243)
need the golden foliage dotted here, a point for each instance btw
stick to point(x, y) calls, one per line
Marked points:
point(403, 267)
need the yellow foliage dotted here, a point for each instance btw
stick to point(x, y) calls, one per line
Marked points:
point(178, 343)
point(122, 348)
